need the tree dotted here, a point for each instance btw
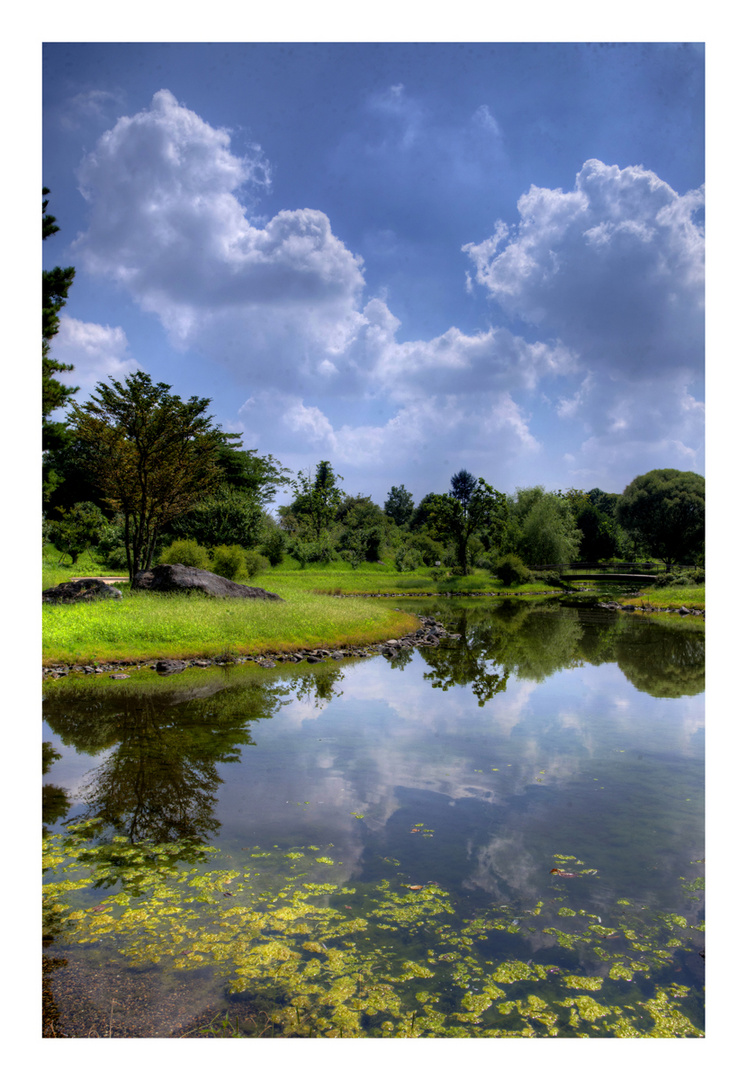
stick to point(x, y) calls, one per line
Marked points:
point(399, 505)
point(546, 528)
point(78, 529)
point(665, 511)
point(154, 455)
point(317, 500)
point(226, 516)
point(362, 529)
point(55, 286)
point(470, 506)
point(247, 472)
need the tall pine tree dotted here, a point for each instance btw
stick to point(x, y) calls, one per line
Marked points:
point(55, 286)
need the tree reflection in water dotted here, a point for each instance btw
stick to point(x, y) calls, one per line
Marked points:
point(531, 642)
point(158, 783)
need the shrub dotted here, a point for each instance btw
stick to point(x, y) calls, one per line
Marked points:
point(274, 546)
point(406, 558)
point(312, 551)
point(80, 527)
point(510, 570)
point(229, 561)
point(116, 558)
point(430, 550)
point(255, 563)
point(188, 553)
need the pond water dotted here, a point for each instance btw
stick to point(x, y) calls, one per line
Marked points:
point(366, 848)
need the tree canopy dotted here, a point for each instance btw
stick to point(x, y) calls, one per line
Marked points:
point(665, 510)
point(316, 499)
point(399, 505)
point(471, 505)
point(154, 455)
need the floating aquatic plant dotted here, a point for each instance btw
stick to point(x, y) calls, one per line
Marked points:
point(374, 959)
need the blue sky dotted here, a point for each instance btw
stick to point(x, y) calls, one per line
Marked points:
point(407, 259)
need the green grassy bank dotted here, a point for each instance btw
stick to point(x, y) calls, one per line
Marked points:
point(146, 625)
point(323, 608)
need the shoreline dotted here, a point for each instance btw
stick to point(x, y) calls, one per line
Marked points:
point(430, 635)
point(270, 658)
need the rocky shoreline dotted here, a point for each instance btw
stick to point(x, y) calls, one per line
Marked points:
point(649, 609)
point(430, 635)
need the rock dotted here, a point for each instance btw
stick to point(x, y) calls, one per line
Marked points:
point(86, 589)
point(174, 577)
point(170, 667)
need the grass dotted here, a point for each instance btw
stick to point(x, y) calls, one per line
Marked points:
point(672, 596)
point(144, 626)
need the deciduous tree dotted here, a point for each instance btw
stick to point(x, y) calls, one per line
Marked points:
point(316, 500)
point(155, 456)
point(665, 510)
point(470, 506)
point(399, 505)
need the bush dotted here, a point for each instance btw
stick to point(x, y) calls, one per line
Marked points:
point(430, 550)
point(80, 527)
point(188, 553)
point(229, 561)
point(406, 558)
point(510, 570)
point(274, 546)
point(116, 558)
point(313, 551)
point(255, 563)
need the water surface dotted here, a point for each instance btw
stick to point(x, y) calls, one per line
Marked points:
point(543, 737)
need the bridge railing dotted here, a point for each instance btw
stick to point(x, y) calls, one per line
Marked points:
point(612, 568)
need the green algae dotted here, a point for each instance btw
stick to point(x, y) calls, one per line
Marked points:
point(376, 959)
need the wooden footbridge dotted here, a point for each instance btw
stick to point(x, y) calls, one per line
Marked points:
point(626, 573)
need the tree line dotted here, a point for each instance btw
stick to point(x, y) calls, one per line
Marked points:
point(143, 475)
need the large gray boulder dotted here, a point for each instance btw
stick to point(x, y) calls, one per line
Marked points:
point(174, 577)
point(86, 589)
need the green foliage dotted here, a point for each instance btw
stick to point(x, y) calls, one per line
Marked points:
point(79, 528)
point(229, 561)
point(545, 527)
point(665, 511)
point(399, 505)
point(320, 550)
point(362, 529)
point(255, 563)
point(407, 557)
point(470, 506)
point(56, 284)
point(274, 543)
point(430, 550)
point(226, 517)
point(509, 569)
point(257, 478)
point(153, 454)
point(316, 501)
point(187, 552)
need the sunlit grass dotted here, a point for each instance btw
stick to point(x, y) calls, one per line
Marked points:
point(147, 625)
point(673, 596)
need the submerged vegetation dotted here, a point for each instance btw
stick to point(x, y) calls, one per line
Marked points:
point(390, 958)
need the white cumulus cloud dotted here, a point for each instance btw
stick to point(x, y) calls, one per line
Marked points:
point(613, 268)
point(95, 351)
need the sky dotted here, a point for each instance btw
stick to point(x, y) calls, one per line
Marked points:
point(405, 258)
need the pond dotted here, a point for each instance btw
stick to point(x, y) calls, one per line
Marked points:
point(502, 836)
